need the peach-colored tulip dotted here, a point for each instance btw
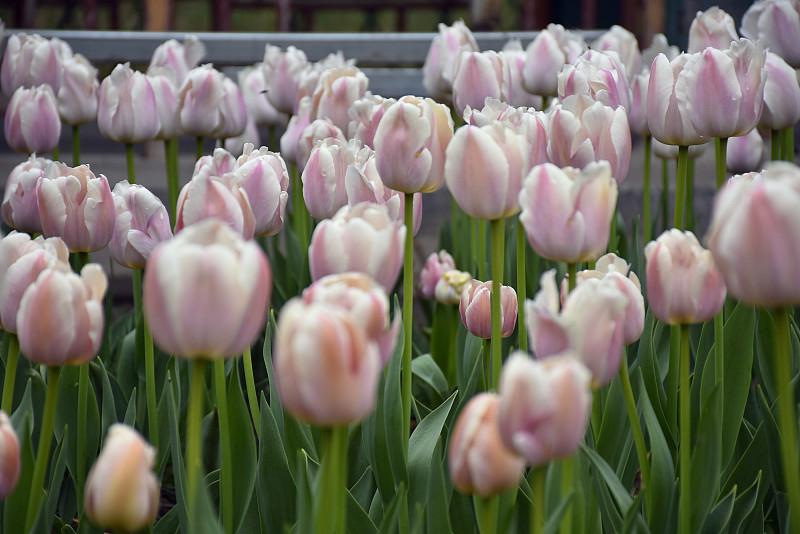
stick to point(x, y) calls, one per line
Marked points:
point(200, 100)
point(684, 285)
point(207, 196)
point(283, 71)
point(60, 317)
point(365, 115)
point(263, 176)
point(712, 28)
point(336, 91)
point(624, 43)
point(30, 60)
point(176, 58)
point(544, 406)
point(781, 95)
point(254, 91)
point(476, 77)
point(9, 457)
point(591, 322)
point(599, 75)
point(126, 111)
point(326, 366)
point(567, 212)
point(141, 224)
point(122, 492)
point(476, 311)
point(552, 48)
point(668, 116)
point(435, 266)
point(776, 24)
point(451, 287)
point(479, 461)
point(361, 238)
point(76, 206)
point(20, 207)
point(31, 123)
point(78, 94)
point(315, 132)
point(166, 93)
point(755, 236)
point(206, 292)
point(410, 144)
point(437, 72)
point(745, 153)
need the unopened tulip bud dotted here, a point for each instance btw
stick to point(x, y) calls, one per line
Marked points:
point(637, 115)
point(477, 76)
point(264, 177)
point(233, 112)
point(141, 224)
point(745, 153)
point(177, 58)
point(437, 72)
point(544, 406)
point(436, 265)
point(20, 207)
point(9, 457)
point(30, 60)
point(668, 115)
point(126, 111)
point(476, 311)
point(479, 461)
point(315, 132)
point(77, 97)
point(60, 318)
point(712, 28)
point(775, 23)
point(781, 95)
point(294, 130)
point(323, 177)
point(684, 285)
point(206, 292)
point(336, 91)
point(552, 48)
point(31, 122)
point(283, 71)
point(451, 286)
point(215, 197)
point(624, 43)
point(166, 94)
point(200, 100)
point(599, 75)
point(122, 492)
point(365, 115)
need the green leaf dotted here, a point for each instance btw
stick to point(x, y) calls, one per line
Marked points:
point(717, 521)
point(390, 515)
point(358, 521)
point(427, 371)
point(276, 488)
point(660, 493)
point(244, 448)
point(437, 516)
point(15, 505)
point(746, 502)
point(621, 496)
point(706, 459)
point(305, 505)
point(179, 473)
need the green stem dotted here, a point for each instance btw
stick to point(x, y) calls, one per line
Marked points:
point(538, 476)
point(572, 276)
point(226, 474)
point(633, 417)
point(487, 508)
point(665, 194)
point(680, 186)
point(787, 418)
point(252, 397)
point(788, 144)
point(199, 146)
point(522, 332)
point(719, 351)
point(56, 155)
point(329, 510)
point(150, 385)
point(43, 452)
point(12, 358)
point(685, 421)
point(545, 102)
point(612, 232)
point(171, 153)
point(76, 145)
point(83, 401)
point(647, 222)
point(194, 414)
point(473, 244)
point(300, 213)
point(487, 364)
point(408, 309)
point(498, 255)
point(775, 144)
point(482, 276)
point(689, 206)
point(130, 161)
point(567, 476)
point(721, 151)
point(673, 372)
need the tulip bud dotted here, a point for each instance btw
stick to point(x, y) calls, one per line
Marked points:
point(745, 153)
point(436, 265)
point(599, 75)
point(126, 111)
point(176, 58)
point(141, 224)
point(754, 238)
point(282, 73)
point(77, 97)
point(20, 207)
point(446, 46)
point(567, 212)
point(327, 368)
point(323, 176)
point(637, 114)
point(552, 48)
point(527, 122)
point(361, 238)
point(30, 60)
point(659, 45)
point(365, 115)
point(31, 122)
point(166, 94)
point(200, 100)
point(263, 176)
point(668, 115)
point(477, 76)
point(781, 95)
point(312, 134)
point(233, 112)
point(624, 43)
point(512, 90)
point(484, 170)
point(479, 461)
point(60, 317)
point(476, 310)
point(775, 23)
point(450, 287)
point(684, 285)
point(336, 91)
point(76, 206)
point(206, 292)
point(207, 196)
point(712, 28)
point(410, 145)
point(254, 91)
point(544, 406)
point(122, 491)
point(9, 457)
point(294, 130)
point(220, 163)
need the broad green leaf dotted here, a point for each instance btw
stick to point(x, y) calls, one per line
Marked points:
point(358, 521)
point(718, 519)
point(660, 492)
point(276, 487)
point(243, 445)
point(706, 459)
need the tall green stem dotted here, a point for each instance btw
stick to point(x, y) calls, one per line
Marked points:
point(685, 421)
point(129, 160)
point(567, 478)
point(329, 509)
point(538, 476)
point(408, 310)
point(498, 254)
point(150, 385)
point(721, 151)
point(522, 332)
point(12, 358)
point(678, 219)
point(788, 144)
point(226, 474)
point(76, 145)
point(56, 154)
point(81, 259)
point(43, 452)
point(487, 508)
point(664, 193)
point(194, 415)
point(171, 154)
point(252, 397)
point(647, 222)
point(787, 418)
point(633, 417)
point(199, 146)
point(482, 275)
point(776, 145)
point(572, 276)
point(688, 210)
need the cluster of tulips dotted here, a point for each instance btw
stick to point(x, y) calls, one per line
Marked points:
point(361, 398)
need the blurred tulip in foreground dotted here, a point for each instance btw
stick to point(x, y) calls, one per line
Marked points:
point(712, 28)
point(141, 224)
point(20, 207)
point(31, 123)
point(9, 457)
point(435, 266)
point(126, 111)
point(476, 312)
point(745, 153)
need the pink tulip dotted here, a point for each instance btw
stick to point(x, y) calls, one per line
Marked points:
point(659, 45)
point(31, 122)
point(484, 170)
point(745, 153)
point(436, 265)
point(410, 145)
point(527, 122)
point(671, 151)
point(712, 28)
point(477, 76)
point(591, 322)
point(583, 131)
point(60, 317)
point(637, 114)
point(294, 130)
point(23, 259)
point(20, 207)
point(567, 212)
point(684, 285)
point(624, 43)
point(327, 368)
point(668, 116)
point(166, 94)
point(754, 236)
point(476, 312)
point(336, 91)
point(207, 196)
point(206, 292)
point(254, 91)
point(126, 111)
point(776, 24)
point(176, 58)
point(313, 133)
point(282, 73)
point(122, 492)
point(263, 176)
point(9, 457)
point(30, 60)
point(479, 461)
point(781, 95)
point(201, 99)
point(437, 72)
point(141, 224)
point(365, 115)
point(76, 206)
point(512, 90)
point(361, 238)
point(77, 96)
point(451, 286)
point(544, 406)
point(221, 162)
point(552, 48)
point(599, 75)
point(323, 177)
point(233, 111)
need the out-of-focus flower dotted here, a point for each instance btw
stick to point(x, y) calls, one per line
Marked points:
point(437, 72)
point(755, 238)
point(476, 311)
point(312, 134)
point(122, 491)
point(177, 59)
point(77, 96)
point(127, 111)
point(599, 75)
point(200, 100)
point(294, 130)
point(776, 24)
point(141, 224)
point(166, 93)
point(232, 111)
point(361, 238)
point(552, 48)
point(336, 91)
point(20, 207)
point(206, 292)
point(365, 115)
point(659, 45)
point(235, 145)
point(254, 91)
point(435, 266)
point(712, 28)
point(9, 457)
point(637, 114)
point(283, 71)
point(476, 77)
point(624, 43)
point(567, 212)
point(668, 115)
point(745, 153)
point(512, 89)
point(781, 95)
point(209, 196)
point(684, 285)
point(264, 177)
point(30, 60)
point(671, 151)
point(451, 286)
point(31, 122)
point(479, 461)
